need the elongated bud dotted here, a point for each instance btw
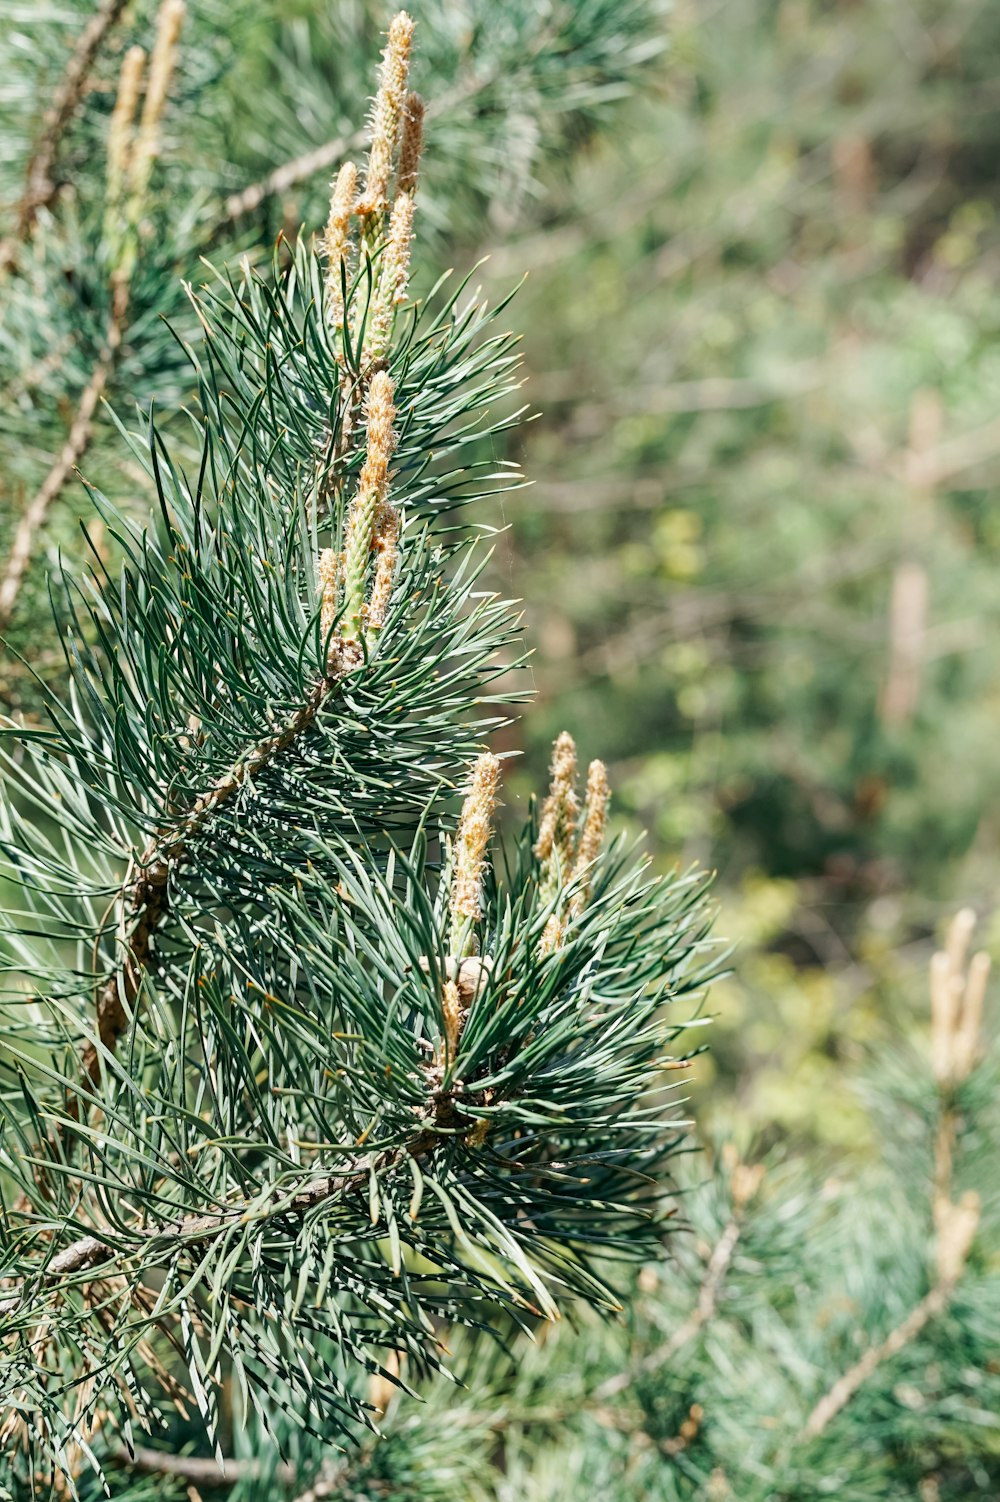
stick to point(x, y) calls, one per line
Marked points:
point(373, 485)
point(592, 837)
point(960, 931)
point(393, 278)
point(387, 547)
point(161, 67)
point(957, 995)
point(468, 978)
point(556, 830)
point(471, 840)
point(121, 131)
point(388, 108)
point(966, 1043)
point(337, 241)
point(123, 115)
point(412, 144)
point(745, 1179)
point(552, 936)
point(381, 415)
point(396, 264)
point(596, 816)
point(956, 1230)
point(329, 574)
point(945, 1001)
point(451, 1008)
point(381, 1388)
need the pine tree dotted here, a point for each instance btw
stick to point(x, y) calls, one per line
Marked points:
point(298, 1079)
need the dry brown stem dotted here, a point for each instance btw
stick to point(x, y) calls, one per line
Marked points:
point(145, 895)
point(73, 450)
point(955, 1239)
point(40, 186)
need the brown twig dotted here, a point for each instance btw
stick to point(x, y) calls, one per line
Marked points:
point(707, 1302)
point(76, 445)
point(745, 1180)
point(843, 1390)
point(40, 188)
point(288, 175)
point(99, 1249)
point(199, 1470)
point(145, 896)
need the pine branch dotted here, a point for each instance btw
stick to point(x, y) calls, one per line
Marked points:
point(96, 1252)
point(957, 993)
point(133, 152)
point(40, 187)
point(147, 893)
point(268, 712)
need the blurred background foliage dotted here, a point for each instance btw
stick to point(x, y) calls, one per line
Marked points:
point(761, 550)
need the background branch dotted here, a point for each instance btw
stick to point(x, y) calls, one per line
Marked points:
point(73, 450)
point(40, 186)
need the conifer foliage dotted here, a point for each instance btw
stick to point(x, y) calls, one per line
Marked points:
point(140, 138)
point(821, 1334)
point(296, 1075)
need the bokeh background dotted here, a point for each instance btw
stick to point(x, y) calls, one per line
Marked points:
point(760, 554)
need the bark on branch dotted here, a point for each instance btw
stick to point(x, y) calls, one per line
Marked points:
point(73, 450)
point(198, 1470)
point(97, 1250)
point(40, 186)
point(146, 896)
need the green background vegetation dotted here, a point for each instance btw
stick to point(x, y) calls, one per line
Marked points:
point(763, 338)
